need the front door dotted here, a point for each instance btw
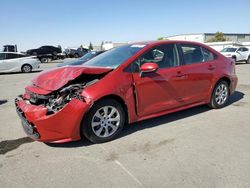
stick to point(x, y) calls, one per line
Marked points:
point(161, 90)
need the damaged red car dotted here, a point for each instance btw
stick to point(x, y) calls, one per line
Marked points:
point(124, 85)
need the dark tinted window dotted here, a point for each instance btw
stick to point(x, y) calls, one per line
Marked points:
point(2, 56)
point(21, 55)
point(207, 55)
point(245, 49)
point(164, 56)
point(240, 49)
point(11, 56)
point(192, 53)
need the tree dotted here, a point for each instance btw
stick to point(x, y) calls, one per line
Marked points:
point(218, 37)
point(91, 46)
point(161, 38)
point(102, 45)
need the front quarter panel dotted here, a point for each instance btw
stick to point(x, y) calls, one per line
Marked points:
point(117, 84)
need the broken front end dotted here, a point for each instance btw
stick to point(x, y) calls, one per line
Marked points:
point(55, 117)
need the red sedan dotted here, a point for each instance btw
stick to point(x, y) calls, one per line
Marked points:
point(124, 85)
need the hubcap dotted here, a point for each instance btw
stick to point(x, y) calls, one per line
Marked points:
point(106, 121)
point(26, 68)
point(221, 94)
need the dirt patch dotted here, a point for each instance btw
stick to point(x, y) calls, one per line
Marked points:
point(240, 103)
point(113, 156)
point(149, 146)
point(9, 145)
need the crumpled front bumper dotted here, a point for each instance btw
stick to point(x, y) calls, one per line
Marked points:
point(62, 126)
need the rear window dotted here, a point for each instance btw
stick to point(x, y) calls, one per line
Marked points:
point(196, 54)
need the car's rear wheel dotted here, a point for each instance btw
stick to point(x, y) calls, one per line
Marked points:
point(220, 95)
point(44, 60)
point(104, 121)
point(26, 68)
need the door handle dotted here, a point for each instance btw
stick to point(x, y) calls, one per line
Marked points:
point(180, 75)
point(211, 67)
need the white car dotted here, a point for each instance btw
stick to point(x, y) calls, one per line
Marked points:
point(16, 62)
point(238, 54)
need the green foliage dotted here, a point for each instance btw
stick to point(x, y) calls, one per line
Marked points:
point(91, 46)
point(161, 38)
point(218, 37)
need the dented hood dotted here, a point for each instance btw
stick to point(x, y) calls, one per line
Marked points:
point(54, 79)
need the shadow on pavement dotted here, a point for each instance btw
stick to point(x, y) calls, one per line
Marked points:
point(139, 126)
point(9, 145)
point(3, 101)
point(10, 73)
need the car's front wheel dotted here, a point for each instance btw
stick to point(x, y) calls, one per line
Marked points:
point(220, 95)
point(104, 121)
point(26, 68)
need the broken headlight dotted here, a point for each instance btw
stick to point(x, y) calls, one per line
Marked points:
point(64, 96)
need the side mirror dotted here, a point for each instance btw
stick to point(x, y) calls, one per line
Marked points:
point(148, 67)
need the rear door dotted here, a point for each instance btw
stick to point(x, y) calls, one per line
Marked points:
point(161, 90)
point(199, 67)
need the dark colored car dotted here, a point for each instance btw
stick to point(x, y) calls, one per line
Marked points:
point(45, 50)
point(81, 60)
point(79, 52)
point(124, 85)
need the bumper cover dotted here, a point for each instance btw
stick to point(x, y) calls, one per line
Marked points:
point(62, 126)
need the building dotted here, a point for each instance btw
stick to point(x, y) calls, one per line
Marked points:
point(205, 37)
point(232, 39)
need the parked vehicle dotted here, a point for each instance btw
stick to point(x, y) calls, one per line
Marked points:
point(10, 48)
point(124, 85)
point(44, 50)
point(81, 60)
point(238, 54)
point(76, 53)
point(16, 62)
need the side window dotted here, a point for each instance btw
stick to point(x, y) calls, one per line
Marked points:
point(207, 55)
point(2, 56)
point(240, 49)
point(192, 53)
point(164, 55)
point(21, 55)
point(11, 56)
point(245, 49)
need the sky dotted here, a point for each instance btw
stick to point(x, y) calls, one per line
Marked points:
point(70, 23)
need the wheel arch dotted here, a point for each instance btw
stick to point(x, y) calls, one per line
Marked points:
point(26, 64)
point(120, 101)
point(225, 78)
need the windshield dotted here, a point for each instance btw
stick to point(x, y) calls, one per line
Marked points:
point(115, 57)
point(88, 56)
point(229, 50)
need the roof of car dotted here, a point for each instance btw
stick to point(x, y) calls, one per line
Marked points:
point(166, 41)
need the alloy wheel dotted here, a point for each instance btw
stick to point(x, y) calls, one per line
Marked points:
point(106, 121)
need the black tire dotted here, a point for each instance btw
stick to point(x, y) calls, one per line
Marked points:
point(217, 102)
point(87, 129)
point(248, 60)
point(44, 60)
point(234, 58)
point(76, 55)
point(26, 68)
